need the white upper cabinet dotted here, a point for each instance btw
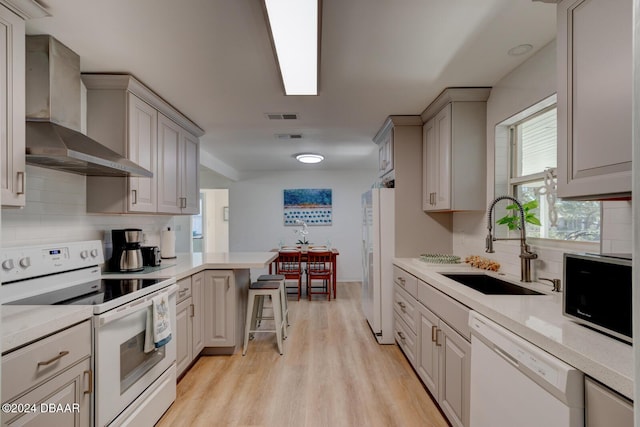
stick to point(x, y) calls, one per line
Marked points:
point(594, 98)
point(178, 159)
point(130, 119)
point(188, 172)
point(12, 109)
point(168, 153)
point(385, 153)
point(142, 150)
point(454, 151)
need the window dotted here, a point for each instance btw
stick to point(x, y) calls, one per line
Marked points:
point(532, 145)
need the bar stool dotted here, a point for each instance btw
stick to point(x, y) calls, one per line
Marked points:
point(260, 290)
point(283, 296)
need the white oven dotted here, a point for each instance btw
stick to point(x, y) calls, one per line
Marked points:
point(123, 371)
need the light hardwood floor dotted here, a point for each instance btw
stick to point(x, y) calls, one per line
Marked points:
point(333, 373)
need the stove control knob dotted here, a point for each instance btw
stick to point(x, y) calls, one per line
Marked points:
point(7, 264)
point(84, 254)
point(94, 253)
point(25, 262)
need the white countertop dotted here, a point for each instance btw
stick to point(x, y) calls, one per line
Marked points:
point(186, 264)
point(23, 324)
point(538, 319)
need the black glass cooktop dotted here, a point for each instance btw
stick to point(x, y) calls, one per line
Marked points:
point(90, 293)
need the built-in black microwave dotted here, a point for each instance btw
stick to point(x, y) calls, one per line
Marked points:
point(597, 292)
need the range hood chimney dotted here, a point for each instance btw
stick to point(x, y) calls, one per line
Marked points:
point(53, 136)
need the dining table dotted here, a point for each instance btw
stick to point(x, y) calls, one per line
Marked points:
point(304, 257)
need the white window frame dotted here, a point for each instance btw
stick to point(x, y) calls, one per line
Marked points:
point(510, 125)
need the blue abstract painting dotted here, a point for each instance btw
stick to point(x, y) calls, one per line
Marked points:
point(311, 205)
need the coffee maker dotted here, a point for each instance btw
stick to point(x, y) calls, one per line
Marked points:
point(127, 255)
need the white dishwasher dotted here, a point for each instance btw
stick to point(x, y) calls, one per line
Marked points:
point(514, 383)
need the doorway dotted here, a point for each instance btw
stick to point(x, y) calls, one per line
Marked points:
point(211, 227)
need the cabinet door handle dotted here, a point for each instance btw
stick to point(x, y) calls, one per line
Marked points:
point(90, 389)
point(403, 307)
point(434, 333)
point(134, 196)
point(20, 176)
point(193, 310)
point(54, 359)
point(401, 335)
point(438, 343)
point(402, 280)
point(185, 202)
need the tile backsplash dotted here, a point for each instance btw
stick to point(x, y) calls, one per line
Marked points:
point(616, 227)
point(55, 212)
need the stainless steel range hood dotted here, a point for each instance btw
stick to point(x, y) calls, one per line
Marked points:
point(53, 136)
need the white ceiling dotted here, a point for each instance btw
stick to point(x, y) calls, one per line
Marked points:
point(212, 60)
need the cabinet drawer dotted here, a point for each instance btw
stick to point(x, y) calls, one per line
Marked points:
point(405, 338)
point(184, 289)
point(445, 307)
point(405, 306)
point(30, 365)
point(406, 281)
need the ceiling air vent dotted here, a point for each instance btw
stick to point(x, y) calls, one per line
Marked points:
point(288, 136)
point(282, 116)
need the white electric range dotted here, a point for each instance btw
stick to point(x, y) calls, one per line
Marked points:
point(130, 385)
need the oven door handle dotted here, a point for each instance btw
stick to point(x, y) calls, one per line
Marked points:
point(133, 307)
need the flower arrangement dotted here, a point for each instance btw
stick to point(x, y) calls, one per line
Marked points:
point(303, 232)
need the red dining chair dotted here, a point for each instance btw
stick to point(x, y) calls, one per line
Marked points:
point(289, 265)
point(319, 267)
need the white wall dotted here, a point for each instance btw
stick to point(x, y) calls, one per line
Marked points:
point(256, 213)
point(531, 82)
point(55, 212)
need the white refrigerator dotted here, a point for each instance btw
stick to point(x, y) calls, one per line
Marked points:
point(378, 249)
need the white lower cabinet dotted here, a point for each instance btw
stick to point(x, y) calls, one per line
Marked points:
point(50, 382)
point(184, 328)
point(438, 347)
point(604, 407)
point(197, 320)
point(189, 321)
point(220, 300)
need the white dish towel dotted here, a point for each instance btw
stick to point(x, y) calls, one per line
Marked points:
point(158, 329)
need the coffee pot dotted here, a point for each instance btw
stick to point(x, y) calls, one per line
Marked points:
point(127, 255)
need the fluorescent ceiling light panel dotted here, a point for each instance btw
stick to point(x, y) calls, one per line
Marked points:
point(294, 31)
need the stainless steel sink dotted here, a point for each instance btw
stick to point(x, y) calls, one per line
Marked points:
point(490, 285)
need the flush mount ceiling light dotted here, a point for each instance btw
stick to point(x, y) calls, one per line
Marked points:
point(519, 50)
point(295, 35)
point(309, 158)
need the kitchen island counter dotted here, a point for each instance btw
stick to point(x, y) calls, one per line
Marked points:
point(539, 320)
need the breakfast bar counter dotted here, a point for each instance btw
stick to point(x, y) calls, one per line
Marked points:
point(185, 264)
